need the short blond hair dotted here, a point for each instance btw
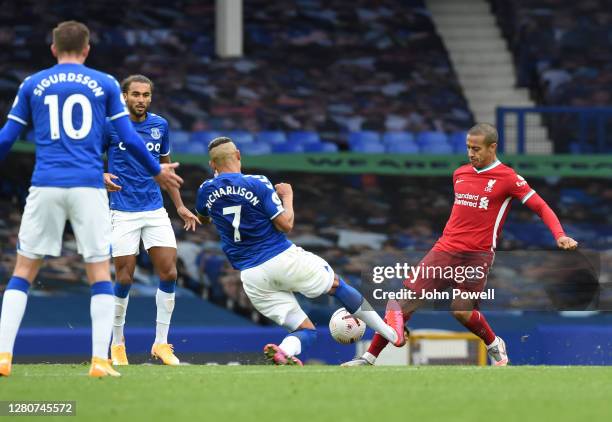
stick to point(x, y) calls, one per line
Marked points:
point(221, 150)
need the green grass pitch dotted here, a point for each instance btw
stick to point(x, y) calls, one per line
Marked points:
point(320, 393)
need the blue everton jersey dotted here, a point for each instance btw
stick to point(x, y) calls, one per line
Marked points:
point(139, 192)
point(68, 105)
point(242, 208)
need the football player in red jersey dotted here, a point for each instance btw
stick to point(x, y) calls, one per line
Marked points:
point(483, 191)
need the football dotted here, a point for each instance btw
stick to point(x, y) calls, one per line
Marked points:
point(345, 328)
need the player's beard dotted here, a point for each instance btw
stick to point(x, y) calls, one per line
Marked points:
point(138, 112)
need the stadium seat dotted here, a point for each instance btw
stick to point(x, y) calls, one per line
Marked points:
point(321, 147)
point(271, 137)
point(287, 148)
point(365, 135)
point(437, 148)
point(197, 148)
point(255, 148)
point(457, 141)
point(403, 148)
point(179, 137)
point(396, 137)
point(431, 137)
point(240, 136)
point(369, 147)
point(303, 137)
point(204, 136)
point(179, 148)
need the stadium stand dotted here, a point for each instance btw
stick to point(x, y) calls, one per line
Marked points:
point(350, 237)
point(560, 51)
point(319, 69)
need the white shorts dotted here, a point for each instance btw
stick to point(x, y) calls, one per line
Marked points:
point(270, 286)
point(45, 215)
point(153, 227)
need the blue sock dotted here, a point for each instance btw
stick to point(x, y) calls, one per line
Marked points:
point(102, 288)
point(167, 286)
point(18, 283)
point(298, 341)
point(122, 290)
point(348, 296)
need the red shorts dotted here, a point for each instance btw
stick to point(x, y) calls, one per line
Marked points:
point(438, 270)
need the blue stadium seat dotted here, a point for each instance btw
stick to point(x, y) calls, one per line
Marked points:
point(403, 148)
point(197, 148)
point(287, 148)
point(179, 137)
point(240, 136)
point(303, 137)
point(272, 137)
point(204, 136)
point(396, 137)
point(321, 147)
point(457, 141)
point(437, 148)
point(431, 137)
point(364, 135)
point(179, 148)
point(255, 148)
point(370, 147)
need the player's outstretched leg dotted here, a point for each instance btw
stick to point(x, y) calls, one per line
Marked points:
point(13, 308)
point(376, 347)
point(164, 300)
point(122, 296)
point(292, 345)
point(101, 310)
point(355, 303)
point(476, 322)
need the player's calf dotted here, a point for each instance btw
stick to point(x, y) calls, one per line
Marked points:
point(355, 303)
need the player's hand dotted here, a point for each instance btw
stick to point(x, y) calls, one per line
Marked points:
point(567, 243)
point(108, 182)
point(283, 190)
point(189, 218)
point(167, 178)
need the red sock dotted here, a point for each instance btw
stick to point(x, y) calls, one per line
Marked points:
point(379, 342)
point(479, 326)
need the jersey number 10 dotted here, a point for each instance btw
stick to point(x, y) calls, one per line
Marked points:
point(67, 109)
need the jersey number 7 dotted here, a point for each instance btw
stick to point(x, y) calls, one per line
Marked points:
point(236, 222)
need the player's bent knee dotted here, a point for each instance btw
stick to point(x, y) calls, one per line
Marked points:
point(169, 275)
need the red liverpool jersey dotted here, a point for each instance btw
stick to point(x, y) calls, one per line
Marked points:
point(482, 201)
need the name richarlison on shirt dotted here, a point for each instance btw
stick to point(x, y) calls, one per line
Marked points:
point(231, 190)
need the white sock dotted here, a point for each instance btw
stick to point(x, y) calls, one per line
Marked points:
point(291, 345)
point(13, 307)
point(165, 306)
point(369, 357)
point(375, 322)
point(495, 343)
point(121, 304)
point(101, 310)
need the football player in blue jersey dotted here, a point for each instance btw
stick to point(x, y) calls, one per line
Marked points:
point(137, 212)
point(67, 105)
point(252, 218)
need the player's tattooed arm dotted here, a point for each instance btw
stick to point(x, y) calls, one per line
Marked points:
point(189, 219)
point(284, 221)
